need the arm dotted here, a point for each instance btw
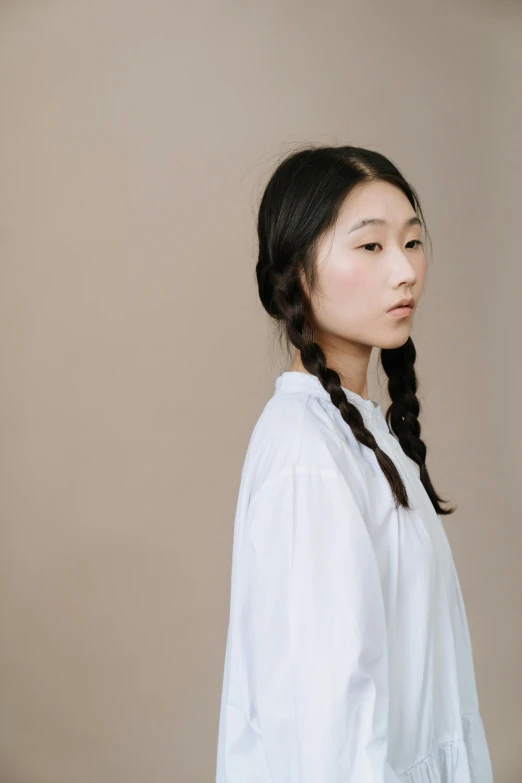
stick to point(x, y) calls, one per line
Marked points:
point(314, 632)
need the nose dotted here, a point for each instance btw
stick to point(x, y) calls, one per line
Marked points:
point(403, 268)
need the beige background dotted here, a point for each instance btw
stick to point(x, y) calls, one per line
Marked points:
point(136, 138)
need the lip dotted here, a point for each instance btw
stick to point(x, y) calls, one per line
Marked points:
point(408, 301)
point(401, 311)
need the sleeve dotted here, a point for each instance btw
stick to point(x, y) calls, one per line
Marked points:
point(315, 631)
point(472, 725)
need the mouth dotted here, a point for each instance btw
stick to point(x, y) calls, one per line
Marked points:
point(404, 306)
point(401, 311)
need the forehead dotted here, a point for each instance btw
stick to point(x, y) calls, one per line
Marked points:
point(379, 200)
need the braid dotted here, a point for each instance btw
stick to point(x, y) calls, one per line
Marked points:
point(402, 415)
point(291, 305)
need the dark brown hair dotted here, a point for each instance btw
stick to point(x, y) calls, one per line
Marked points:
point(300, 202)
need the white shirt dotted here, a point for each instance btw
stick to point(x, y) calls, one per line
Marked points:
point(348, 655)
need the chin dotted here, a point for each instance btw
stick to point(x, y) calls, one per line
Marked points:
point(394, 340)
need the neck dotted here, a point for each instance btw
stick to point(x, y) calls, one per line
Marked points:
point(353, 378)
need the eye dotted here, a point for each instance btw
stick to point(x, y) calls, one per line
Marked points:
point(374, 244)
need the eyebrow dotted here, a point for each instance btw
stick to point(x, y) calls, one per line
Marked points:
point(414, 221)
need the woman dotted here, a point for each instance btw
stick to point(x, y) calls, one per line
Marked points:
point(348, 656)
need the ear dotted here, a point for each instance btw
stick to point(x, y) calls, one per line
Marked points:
point(304, 284)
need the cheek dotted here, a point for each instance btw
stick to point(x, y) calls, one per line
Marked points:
point(421, 273)
point(349, 293)
point(351, 285)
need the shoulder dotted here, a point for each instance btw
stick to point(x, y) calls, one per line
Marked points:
point(297, 431)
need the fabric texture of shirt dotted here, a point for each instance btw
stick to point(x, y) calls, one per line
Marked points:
point(348, 656)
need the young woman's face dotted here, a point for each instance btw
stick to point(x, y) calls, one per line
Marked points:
point(362, 272)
